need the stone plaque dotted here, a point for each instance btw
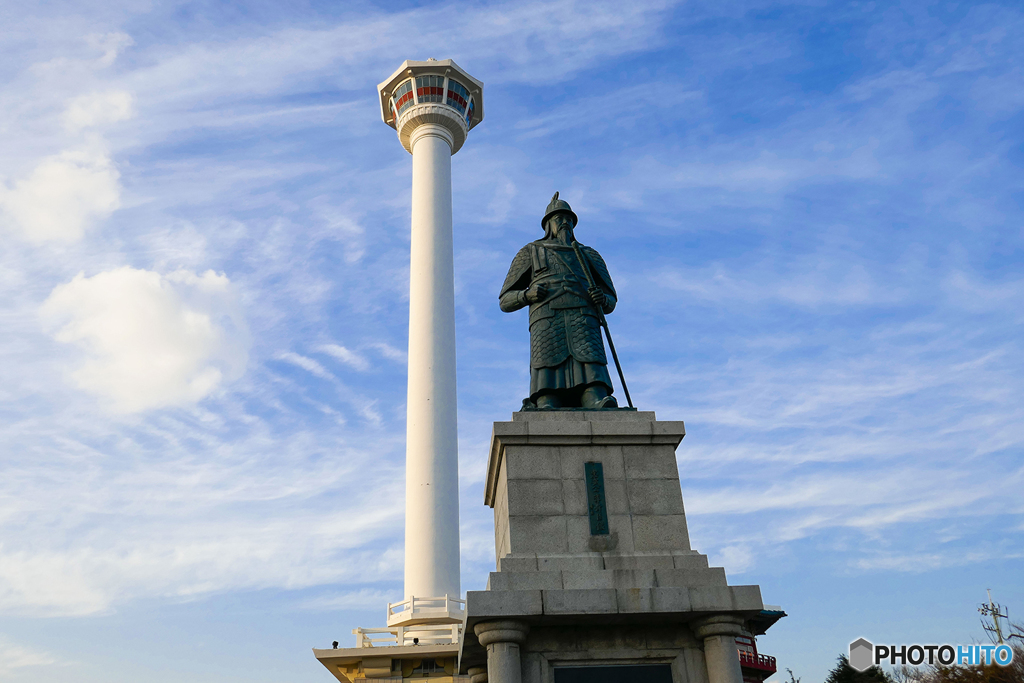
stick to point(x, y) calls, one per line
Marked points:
point(595, 499)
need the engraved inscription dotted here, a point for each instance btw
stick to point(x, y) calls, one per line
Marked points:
point(595, 499)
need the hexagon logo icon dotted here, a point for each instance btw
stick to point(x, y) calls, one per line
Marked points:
point(860, 654)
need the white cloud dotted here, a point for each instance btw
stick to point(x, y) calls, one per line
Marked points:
point(525, 42)
point(919, 562)
point(150, 340)
point(184, 503)
point(14, 656)
point(347, 357)
point(111, 44)
point(821, 279)
point(737, 559)
point(214, 550)
point(390, 352)
point(349, 600)
point(977, 294)
point(99, 108)
point(342, 224)
point(177, 525)
point(63, 196)
point(370, 414)
point(306, 363)
point(52, 582)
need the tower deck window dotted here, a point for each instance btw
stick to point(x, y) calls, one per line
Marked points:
point(458, 96)
point(429, 88)
point(403, 97)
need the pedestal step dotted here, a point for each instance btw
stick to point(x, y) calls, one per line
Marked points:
point(606, 578)
point(597, 561)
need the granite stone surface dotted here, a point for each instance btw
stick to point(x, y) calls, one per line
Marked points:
point(628, 596)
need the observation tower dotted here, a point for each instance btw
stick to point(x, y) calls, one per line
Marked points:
point(432, 105)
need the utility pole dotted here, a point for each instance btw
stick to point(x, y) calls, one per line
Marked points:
point(996, 612)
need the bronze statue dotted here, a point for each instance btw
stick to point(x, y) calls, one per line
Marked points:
point(568, 290)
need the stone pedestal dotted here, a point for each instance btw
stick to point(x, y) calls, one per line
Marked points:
point(599, 573)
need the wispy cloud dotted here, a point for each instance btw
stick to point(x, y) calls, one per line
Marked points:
point(350, 358)
point(350, 600)
point(14, 657)
point(99, 108)
point(390, 352)
point(166, 510)
point(306, 363)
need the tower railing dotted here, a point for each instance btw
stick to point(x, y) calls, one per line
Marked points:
point(402, 636)
point(757, 661)
point(417, 609)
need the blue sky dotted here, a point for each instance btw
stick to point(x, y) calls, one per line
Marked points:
point(812, 213)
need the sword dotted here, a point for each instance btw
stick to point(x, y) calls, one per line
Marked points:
point(600, 318)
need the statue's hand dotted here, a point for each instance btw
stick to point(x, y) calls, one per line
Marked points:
point(598, 296)
point(536, 292)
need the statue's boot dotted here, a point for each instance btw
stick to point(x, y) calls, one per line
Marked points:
point(598, 398)
point(548, 402)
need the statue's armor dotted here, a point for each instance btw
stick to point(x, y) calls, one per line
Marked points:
point(565, 323)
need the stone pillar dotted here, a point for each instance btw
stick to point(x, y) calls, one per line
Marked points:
point(720, 651)
point(477, 674)
point(502, 640)
point(432, 457)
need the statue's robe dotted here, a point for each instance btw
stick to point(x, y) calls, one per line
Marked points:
point(566, 349)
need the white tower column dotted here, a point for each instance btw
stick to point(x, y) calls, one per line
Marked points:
point(432, 105)
point(432, 459)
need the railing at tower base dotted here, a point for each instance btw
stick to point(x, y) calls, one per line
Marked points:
point(405, 636)
point(417, 610)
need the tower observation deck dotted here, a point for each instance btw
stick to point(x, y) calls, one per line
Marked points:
point(432, 92)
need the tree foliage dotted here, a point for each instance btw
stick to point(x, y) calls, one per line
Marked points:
point(844, 673)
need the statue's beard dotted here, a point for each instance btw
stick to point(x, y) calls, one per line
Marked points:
point(562, 235)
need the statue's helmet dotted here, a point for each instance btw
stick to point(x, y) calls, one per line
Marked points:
point(558, 206)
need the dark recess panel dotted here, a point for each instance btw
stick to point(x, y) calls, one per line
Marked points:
point(646, 673)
